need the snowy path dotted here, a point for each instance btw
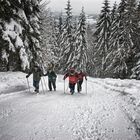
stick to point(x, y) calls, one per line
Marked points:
point(58, 116)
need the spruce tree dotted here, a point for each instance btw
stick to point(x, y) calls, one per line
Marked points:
point(113, 13)
point(117, 65)
point(136, 69)
point(49, 33)
point(58, 48)
point(90, 50)
point(102, 38)
point(121, 39)
point(67, 47)
point(81, 43)
point(20, 35)
point(56, 38)
point(113, 16)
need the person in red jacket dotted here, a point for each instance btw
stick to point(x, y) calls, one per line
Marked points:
point(81, 76)
point(73, 78)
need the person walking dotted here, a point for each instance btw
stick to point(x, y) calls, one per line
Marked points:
point(73, 77)
point(37, 73)
point(51, 66)
point(81, 76)
point(51, 79)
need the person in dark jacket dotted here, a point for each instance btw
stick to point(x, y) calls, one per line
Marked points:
point(81, 76)
point(73, 77)
point(51, 79)
point(51, 66)
point(37, 73)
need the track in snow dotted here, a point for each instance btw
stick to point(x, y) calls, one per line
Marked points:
point(59, 116)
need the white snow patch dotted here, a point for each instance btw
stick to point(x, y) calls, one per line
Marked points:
point(23, 56)
point(5, 55)
point(91, 21)
point(104, 113)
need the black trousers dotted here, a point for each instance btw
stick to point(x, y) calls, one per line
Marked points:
point(79, 85)
point(72, 87)
point(36, 85)
point(52, 84)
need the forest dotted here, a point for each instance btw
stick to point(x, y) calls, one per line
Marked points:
point(30, 32)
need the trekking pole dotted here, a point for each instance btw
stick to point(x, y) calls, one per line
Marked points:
point(45, 83)
point(67, 87)
point(42, 86)
point(64, 86)
point(28, 85)
point(86, 86)
point(43, 67)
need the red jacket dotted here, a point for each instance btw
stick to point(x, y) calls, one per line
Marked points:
point(73, 77)
point(81, 75)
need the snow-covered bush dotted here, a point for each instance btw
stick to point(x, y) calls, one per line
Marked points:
point(19, 33)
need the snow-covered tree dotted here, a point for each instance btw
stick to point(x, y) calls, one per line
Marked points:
point(90, 49)
point(108, 60)
point(81, 43)
point(137, 21)
point(136, 68)
point(121, 39)
point(51, 30)
point(102, 38)
point(58, 28)
point(116, 39)
point(19, 38)
point(45, 33)
point(48, 32)
point(113, 13)
point(67, 46)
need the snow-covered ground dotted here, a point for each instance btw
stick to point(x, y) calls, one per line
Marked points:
point(109, 110)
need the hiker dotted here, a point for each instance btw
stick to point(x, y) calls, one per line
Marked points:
point(51, 66)
point(81, 76)
point(51, 79)
point(37, 73)
point(73, 77)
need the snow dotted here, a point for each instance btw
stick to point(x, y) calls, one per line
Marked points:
point(5, 55)
point(19, 1)
point(13, 30)
point(34, 2)
point(24, 59)
point(21, 14)
point(18, 42)
point(91, 21)
point(109, 110)
point(13, 26)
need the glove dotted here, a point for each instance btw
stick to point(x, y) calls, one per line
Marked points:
point(86, 79)
point(27, 76)
point(46, 74)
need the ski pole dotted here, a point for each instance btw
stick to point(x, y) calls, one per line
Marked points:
point(86, 86)
point(78, 88)
point(42, 86)
point(64, 86)
point(28, 84)
point(67, 87)
point(45, 83)
point(43, 67)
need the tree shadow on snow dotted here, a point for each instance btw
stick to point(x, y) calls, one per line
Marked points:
point(17, 88)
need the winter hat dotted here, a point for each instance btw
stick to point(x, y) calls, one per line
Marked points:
point(72, 69)
point(36, 64)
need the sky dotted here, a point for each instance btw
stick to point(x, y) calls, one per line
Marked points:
point(91, 6)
